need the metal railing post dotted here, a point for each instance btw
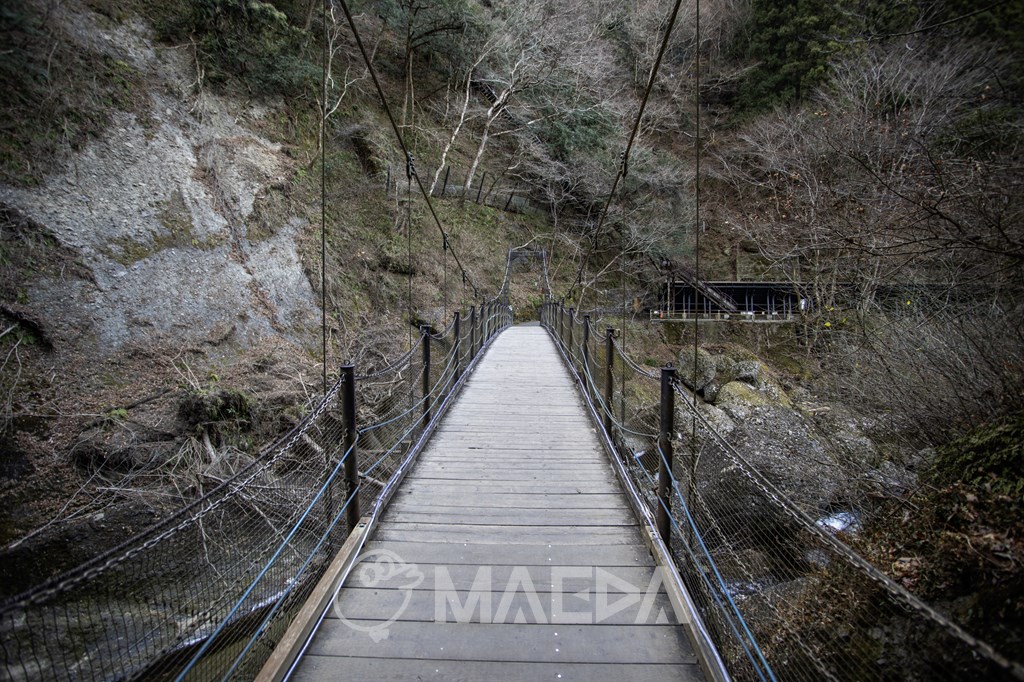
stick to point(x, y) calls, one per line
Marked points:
point(586, 353)
point(561, 322)
point(572, 320)
point(485, 314)
point(609, 365)
point(458, 346)
point(425, 331)
point(472, 332)
point(348, 416)
point(668, 375)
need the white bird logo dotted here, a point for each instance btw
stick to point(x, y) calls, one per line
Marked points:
point(382, 568)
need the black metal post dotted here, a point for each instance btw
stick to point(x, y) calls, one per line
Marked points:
point(348, 416)
point(510, 195)
point(609, 365)
point(472, 332)
point(425, 331)
point(458, 346)
point(586, 353)
point(572, 319)
point(665, 448)
point(561, 322)
point(483, 325)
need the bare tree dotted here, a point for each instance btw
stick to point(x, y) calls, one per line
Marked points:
point(902, 206)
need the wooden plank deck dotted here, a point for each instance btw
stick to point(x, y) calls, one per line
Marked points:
point(514, 505)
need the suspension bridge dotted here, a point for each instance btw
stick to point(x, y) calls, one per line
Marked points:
point(527, 503)
point(500, 502)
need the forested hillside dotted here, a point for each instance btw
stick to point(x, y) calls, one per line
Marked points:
point(186, 186)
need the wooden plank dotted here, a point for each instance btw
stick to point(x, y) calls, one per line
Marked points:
point(473, 463)
point(569, 579)
point(443, 487)
point(522, 517)
point(539, 473)
point(510, 535)
point(510, 501)
point(508, 605)
point(507, 642)
point(518, 555)
point(331, 669)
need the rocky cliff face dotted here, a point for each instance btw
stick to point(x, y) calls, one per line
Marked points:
point(140, 272)
point(158, 211)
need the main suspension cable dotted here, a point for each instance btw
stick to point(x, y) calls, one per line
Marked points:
point(323, 205)
point(408, 236)
point(696, 253)
point(398, 135)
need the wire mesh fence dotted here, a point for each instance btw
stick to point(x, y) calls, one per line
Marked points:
point(208, 592)
point(780, 594)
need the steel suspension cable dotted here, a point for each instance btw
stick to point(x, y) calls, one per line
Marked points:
point(624, 165)
point(323, 204)
point(696, 254)
point(398, 135)
point(445, 248)
point(408, 236)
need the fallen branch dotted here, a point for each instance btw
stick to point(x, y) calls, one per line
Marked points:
point(129, 406)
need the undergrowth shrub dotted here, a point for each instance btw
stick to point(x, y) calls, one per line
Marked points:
point(253, 41)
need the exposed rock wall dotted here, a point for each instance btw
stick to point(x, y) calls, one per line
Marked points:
point(157, 210)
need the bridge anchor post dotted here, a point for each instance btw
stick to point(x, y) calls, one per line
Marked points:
point(668, 408)
point(484, 311)
point(458, 347)
point(609, 365)
point(586, 353)
point(472, 332)
point(348, 416)
point(425, 331)
point(561, 322)
point(572, 319)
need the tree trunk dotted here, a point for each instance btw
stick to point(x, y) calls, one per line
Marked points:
point(476, 159)
point(455, 134)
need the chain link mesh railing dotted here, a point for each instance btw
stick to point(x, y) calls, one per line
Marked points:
point(207, 593)
point(781, 596)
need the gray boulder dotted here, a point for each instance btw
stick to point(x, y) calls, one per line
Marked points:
point(747, 371)
point(705, 373)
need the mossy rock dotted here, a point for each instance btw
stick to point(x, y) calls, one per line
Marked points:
point(737, 398)
point(220, 405)
point(992, 455)
point(737, 393)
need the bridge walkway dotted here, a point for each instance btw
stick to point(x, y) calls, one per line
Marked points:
point(509, 552)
